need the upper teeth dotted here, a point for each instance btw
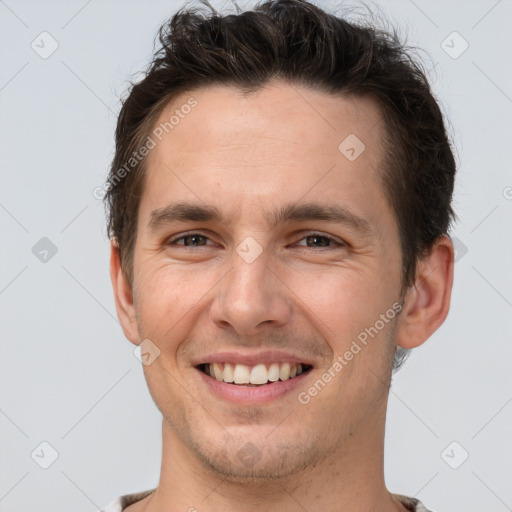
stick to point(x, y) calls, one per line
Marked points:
point(258, 374)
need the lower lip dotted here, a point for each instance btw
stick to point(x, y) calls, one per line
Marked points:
point(252, 395)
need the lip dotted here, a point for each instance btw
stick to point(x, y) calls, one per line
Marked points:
point(252, 358)
point(243, 395)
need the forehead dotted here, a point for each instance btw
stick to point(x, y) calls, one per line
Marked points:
point(278, 114)
point(279, 144)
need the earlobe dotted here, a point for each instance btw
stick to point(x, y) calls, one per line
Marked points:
point(123, 295)
point(427, 302)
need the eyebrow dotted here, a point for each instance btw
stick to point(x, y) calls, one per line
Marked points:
point(292, 212)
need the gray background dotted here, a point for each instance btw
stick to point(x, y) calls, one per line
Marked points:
point(69, 377)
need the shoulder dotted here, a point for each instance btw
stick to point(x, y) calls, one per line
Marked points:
point(124, 501)
point(412, 504)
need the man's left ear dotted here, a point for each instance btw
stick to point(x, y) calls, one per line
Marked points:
point(427, 302)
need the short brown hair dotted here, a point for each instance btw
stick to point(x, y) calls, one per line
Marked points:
point(298, 42)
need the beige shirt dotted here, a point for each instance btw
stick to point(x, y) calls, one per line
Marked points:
point(124, 501)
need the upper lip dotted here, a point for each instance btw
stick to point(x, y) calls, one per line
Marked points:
point(252, 358)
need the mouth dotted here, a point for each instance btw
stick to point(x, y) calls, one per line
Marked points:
point(259, 375)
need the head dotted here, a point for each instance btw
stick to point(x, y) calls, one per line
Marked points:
point(269, 128)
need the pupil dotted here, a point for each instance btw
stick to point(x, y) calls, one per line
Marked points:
point(194, 238)
point(316, 238)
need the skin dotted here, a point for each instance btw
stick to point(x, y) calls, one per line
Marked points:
point(246, 155)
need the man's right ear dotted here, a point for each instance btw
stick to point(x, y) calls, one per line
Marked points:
point(123, 295)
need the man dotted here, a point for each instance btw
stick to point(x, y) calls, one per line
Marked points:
point(278, 204)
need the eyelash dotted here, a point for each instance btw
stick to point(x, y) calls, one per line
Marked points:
point(309, 235)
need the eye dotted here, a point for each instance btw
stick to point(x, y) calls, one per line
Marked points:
point(319, 240)
point(313, 241)
point(190, 240)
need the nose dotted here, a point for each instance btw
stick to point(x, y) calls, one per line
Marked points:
point(251, 297)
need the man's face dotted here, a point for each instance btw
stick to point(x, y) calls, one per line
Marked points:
point(250, 285)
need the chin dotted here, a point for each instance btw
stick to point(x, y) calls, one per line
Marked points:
point(257, 461)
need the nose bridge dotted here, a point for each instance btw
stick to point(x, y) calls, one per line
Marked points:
point(250, 294)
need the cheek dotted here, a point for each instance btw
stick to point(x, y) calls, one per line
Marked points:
point(345, 308)
point(164, 302)
point(339, 304)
